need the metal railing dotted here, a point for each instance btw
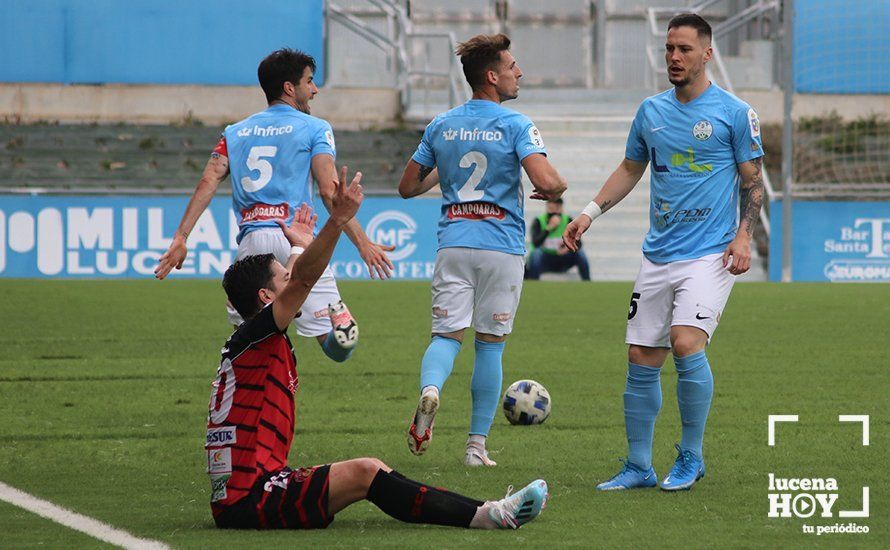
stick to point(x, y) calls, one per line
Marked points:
point(657, 67)
point(399, 44)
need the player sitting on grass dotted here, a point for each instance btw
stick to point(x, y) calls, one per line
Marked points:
point(251, 420)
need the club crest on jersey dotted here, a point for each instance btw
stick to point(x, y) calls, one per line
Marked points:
point(263, 212)
point(476, 211)
point(702, 130)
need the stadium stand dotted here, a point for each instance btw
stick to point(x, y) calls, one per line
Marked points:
point(161, 159)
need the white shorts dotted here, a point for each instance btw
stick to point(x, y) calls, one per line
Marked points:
point(478, 288)
point(689, 293)
point(314, 319)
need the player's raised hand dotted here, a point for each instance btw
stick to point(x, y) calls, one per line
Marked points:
point(346, 198)
point(740, 252)
point(571, 237)
point(299, 232)
point(173, 257)
point(374, 256)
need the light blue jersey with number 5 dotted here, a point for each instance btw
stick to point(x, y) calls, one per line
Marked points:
point(478, 149)
point(270, 155)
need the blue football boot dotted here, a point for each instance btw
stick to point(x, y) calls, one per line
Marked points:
point(630, 477)
point(512, 511)
point(686, 471)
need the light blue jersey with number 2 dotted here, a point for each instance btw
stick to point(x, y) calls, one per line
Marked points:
point(478, 149)
point(270, 156)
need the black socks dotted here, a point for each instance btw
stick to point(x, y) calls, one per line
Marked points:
point(413, 502)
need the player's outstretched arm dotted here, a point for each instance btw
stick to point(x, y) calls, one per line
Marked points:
point(373, 254)
point(309, 266)
point(214, 173)
point(417, 179)
point(617, 186)
point(547, 182)
point(299, 232)
point(751, 192)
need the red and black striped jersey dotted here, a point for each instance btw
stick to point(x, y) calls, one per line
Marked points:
point(251, 421)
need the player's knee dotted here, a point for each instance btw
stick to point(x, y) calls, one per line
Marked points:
point(367, 468)
point(685, 344)
point(641, 355)
point(491, 338)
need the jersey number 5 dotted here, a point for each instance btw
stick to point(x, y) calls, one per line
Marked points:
point(263, 166)
point(481, 165)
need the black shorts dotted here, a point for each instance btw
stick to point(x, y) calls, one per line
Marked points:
point(287, 499)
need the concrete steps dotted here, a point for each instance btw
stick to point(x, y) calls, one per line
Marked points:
point(752, 69)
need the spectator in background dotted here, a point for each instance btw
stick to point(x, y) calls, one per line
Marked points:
point(550, 254)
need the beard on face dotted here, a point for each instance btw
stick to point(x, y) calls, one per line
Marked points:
point(303, 106)
point(679, 81)
point(506, 96)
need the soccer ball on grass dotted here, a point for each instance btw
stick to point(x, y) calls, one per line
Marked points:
point(526, 402)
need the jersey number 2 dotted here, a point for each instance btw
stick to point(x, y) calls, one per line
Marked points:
point(481, 165)
point(255, 161)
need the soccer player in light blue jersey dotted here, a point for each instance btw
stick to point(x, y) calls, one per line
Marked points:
point(704, 152)
point(273, 157)
point(475, 152)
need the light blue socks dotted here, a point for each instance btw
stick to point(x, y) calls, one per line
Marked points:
point(438, 362)
point(485, 385)
point(642, 402)
point(333, 350)
point(695, 387)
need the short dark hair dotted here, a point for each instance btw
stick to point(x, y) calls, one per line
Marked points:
point(557, 200)
point(244, 279)
point(280, 66)
point(693, 20)
point(481, 54)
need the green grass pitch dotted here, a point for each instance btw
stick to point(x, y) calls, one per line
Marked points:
point(104, 389)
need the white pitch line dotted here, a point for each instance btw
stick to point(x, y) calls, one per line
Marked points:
point(78, 522)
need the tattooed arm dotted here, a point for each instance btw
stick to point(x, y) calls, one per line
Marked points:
point(417, 179)
point(750, 194)
point(750, 200)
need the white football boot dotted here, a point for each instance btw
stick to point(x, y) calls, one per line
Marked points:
point(477, 456)
point(345, 327)
point(512, 511)
point(420, 432)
